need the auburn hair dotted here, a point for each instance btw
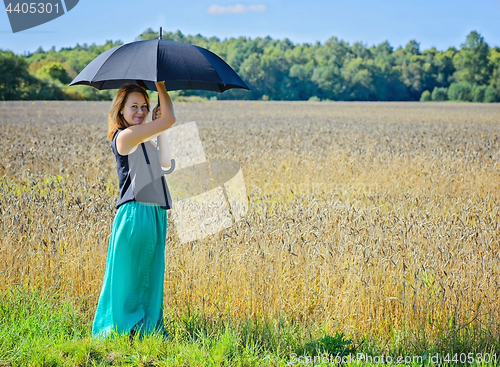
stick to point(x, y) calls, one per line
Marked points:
point(116, 121)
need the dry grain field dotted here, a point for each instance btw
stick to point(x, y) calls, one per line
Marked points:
point(374, 219)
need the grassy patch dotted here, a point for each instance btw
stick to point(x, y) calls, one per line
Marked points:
point(47, 329)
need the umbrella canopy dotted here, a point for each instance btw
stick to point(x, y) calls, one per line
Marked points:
point(180, 65)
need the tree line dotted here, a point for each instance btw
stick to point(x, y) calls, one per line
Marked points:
point(282, 70)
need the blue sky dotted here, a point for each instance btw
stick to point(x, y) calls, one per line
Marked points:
point(438, 23)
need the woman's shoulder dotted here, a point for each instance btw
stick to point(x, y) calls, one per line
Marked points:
point(115, 149)
point(115, 134)
point(113, 142)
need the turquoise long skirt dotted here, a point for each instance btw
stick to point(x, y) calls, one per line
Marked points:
point(132, 290)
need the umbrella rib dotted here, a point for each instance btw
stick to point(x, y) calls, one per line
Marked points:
point(137, 51)
point(185, 64)
point(215, 71)
point(128, 67)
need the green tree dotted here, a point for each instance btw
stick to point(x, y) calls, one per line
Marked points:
point(478, 93)
point(494, 60)
point(382, 51)
point(300, 76)
point(358, 80)
point(328, 80)
point(252, 72)
point(460, 91)
point(490, 95)
point(443, 62)
point(472, 62)
point(412, 48)
point(14, 76)
point(426, 96)
point(439, 94)
point(360, 50)
point(411, 74)
point(54, 71)
point(149, 34)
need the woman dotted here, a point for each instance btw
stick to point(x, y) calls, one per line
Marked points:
point(132, 292)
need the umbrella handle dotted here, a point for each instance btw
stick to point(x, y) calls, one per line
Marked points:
point(171, 169)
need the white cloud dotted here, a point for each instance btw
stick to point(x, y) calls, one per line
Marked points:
point(236, 9)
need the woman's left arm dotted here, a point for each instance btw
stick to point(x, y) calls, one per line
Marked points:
point(163, 144)
point(165, 153)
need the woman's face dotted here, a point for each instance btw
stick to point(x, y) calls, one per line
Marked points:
point(135, 109)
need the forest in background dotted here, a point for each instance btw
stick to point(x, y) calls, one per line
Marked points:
point(282, 70)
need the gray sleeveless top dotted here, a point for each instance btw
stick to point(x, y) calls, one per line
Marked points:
point(141, 177)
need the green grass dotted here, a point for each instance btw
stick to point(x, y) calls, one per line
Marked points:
point(46, 329)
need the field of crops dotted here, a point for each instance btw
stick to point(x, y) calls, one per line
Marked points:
point(374, 219)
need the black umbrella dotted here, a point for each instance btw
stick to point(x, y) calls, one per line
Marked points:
point(180, 65)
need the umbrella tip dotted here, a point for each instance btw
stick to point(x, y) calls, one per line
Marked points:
point(161, 35)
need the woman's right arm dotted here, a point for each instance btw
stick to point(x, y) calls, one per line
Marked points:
point(134, 135)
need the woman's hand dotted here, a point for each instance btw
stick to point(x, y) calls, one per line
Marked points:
point(156, 114)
